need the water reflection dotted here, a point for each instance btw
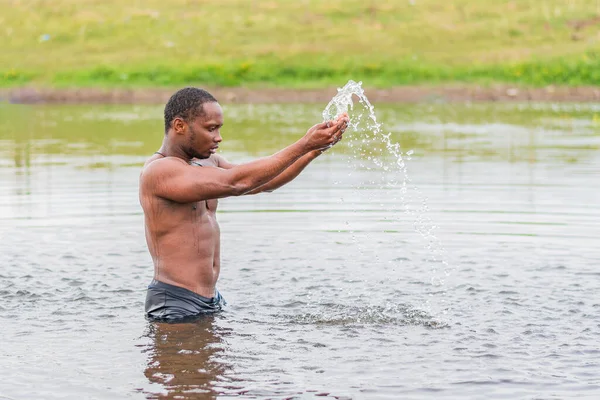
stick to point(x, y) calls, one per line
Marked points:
point(33, 134)
point(184, 359)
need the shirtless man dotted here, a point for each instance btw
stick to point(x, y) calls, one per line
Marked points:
point(179, 199)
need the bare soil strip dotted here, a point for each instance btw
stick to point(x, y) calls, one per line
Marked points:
point(404, 94)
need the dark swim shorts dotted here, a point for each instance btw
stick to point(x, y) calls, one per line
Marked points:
point(170, 303)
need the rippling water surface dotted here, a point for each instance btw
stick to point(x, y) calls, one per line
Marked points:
point(329, 286)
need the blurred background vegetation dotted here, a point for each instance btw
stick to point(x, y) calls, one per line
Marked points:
point(298, 44)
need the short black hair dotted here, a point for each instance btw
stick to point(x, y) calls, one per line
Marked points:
point(186, 104)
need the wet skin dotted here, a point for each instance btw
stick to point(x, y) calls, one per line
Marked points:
point(179, 198)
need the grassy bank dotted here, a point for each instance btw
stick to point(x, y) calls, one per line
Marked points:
point(299, 43)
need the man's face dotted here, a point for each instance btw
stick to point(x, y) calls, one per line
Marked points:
point(204, 131)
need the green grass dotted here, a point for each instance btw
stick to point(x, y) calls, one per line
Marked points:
point(309, 43)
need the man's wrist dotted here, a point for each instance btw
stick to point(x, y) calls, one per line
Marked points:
point(305, 145)
point(316, 153)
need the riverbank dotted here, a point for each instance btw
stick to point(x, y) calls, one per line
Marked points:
point(401, 94)
point(300, 45)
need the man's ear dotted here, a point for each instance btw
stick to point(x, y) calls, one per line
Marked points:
point(178, 125)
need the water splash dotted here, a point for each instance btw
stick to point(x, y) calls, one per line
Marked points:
point(372, 138)
point(344, 315)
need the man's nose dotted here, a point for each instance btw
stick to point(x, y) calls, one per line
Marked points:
point(218, 139)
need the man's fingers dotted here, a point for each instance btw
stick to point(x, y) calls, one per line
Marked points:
point(338, 135)
point(337, 139)
point(332, 129)
point(343, 118)
point(343, 121)
point(340, 122)
point(335, 129)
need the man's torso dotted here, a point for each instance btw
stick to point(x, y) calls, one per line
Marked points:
point(183, 239)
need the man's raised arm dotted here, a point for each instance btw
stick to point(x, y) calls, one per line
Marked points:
point(289, 174)
point(172, 178)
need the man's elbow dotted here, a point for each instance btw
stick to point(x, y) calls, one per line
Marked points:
point(258, 190)
point(236, 185)
point(240, 188)
point(262, 189)
point(248, 186)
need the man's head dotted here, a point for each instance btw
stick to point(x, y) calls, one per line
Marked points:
point(193, 118)
point(186, 104)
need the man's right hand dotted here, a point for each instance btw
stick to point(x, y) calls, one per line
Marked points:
point(327, 134)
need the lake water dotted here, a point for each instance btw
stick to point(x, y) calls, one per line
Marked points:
point(331, 292)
